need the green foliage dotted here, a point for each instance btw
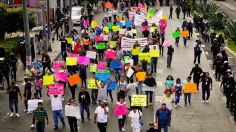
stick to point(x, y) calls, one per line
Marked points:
point(230, 30)
point(217, 21)
point(206, 10)
point(10, 45)
point(232, 45)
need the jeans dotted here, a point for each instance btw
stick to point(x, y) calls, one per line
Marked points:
point(197, 56)
point(15, 103)
point(83, 82)
point(82, 108)
point(185, 41)
point(164, 126)
point(135, 58)
point(94, 95)
point(110, 93)
point(169, 60)
point(117, 75)
point(177, 98)
point(121, 122)
point(40, 126)
point(73, 124)
point(154, 65)
point(102, 126)
point(205, 91)
point(72, 90)
point(150, 96)
point(187, 96)
point(58, 114)
point(39, 92)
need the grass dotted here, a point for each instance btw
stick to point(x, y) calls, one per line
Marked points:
point(10, 45)
point(232, 45)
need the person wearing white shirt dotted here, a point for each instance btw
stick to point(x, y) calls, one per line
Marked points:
point(135, 117)
point(100, 116)
point(57, 110)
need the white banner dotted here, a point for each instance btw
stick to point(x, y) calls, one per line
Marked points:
point(91, 54)
point(72, 111)
point(147, 88)
point(127, 43)
point(139, 18)
point(130, 72)
point(33, 104)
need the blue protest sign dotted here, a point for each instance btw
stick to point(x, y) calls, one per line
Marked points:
point(128, 24)
point(105, 77)
point(112, 85)
point(116, 64)
point(119, 24)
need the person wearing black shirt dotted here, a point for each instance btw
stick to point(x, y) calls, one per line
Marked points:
point(27, 93)
point(206, 87)
point(196, 71)
point(170, 52)
point(177, 10)
point(46, 61)
point(13, 92)
point(13, 67)
point(145, 33)
point(84, 100)
point(171, 10)
point(83, 75)
point(150, 82)
point(197, 53)
point(63, 47)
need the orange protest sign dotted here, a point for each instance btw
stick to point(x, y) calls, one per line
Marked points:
point(185, 33)
point(108, 5)
point(141, 76)
point(74, 79)
point(190, 88)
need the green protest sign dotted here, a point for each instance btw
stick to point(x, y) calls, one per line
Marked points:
point(176, 34)
point(101, 45)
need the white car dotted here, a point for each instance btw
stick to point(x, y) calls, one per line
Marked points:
point(76, 13)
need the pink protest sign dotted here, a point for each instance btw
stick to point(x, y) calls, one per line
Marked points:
point(166, 43)
point(56, 89)
point(144, 27)
point(72, 55)
point(57, 65)
point(101, 66)
point(83, 60)
point(110, 54)
point(99, 38)
point(86, 22)
point(163, 24)
point(60, 76)
point(121, 109)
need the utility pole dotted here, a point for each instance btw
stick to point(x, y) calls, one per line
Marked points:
point(44, 29)
point(48, 31)
point(27, 36)
point(70, 10)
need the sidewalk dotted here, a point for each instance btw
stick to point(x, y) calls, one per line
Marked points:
point(228, 7)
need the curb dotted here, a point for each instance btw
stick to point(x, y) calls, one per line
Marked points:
point(230, 52)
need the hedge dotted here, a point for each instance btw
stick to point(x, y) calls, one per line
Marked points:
point(10, 46)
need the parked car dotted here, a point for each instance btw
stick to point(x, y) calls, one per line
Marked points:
point(76, 13)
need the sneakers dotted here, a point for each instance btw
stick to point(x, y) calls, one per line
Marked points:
point(11, 115)
point(176, 106)
point(17, 115)
point(203, 101)
point(32, 126)
point(123, 129)
point(25, 110)
point(207, 101)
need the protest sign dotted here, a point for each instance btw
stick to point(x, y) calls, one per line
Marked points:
point(105, 29)
point(154, 53)
point(48, 80)
point(115, 28)
point(56, 89)
point(130, 72)
point(91, 54)
point(72, 111)
point(83, 60)
point(176, 35)
point(72, 55)
point(185, 33)
point(121, 109)
point(92, 84)
point(33, 104)
point(101, 65)
point(99, 38)
point(152, 29)
point(141, 76)
point(139, 100)
point(94, 24)
point(93, 67)
point(126, 59)
point(74, 79)
point(190, 88)
point(128, 24)
point(144, 56)
point(69, 40)
point(116, 64)
point(101, 45)
point(110, 54)
point(58, 64)
point(120, 24)
point(131, 15)
point(71, 61)
point(105, 37)
point(166, 43)
point(147, 88)
point(127, 43)
point(113, 44)
point(112, 85)
point(60, 76)
point(135, 50)
point(103, 76)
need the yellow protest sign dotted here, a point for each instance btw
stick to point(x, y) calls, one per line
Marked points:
point(139, 100)
point(93, 67)
point(190, 88)
point(91, 84)
point(71, 61)
point(113, 44)
point(69, 40)
point(152, 29)
point(116, 28)
point(134, 31)
point(154, 53)
point(144, 56)
point(164, 17)
point(105, 29)
point(48, 80)
point(141, 76)
point(135, 51)
point(94, 24)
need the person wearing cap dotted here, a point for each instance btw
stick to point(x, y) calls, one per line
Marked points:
point(101, 116)
point(206, 87)
point(162, 117)
point(135, 117)
point(152, 127)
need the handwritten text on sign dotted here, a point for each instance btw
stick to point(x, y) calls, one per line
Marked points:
point(139, 100)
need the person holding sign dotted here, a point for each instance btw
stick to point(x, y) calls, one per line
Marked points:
point(72, 119)
point(121, 88)
point(84, 100)
point(131, 89)
point(151, 83)
point(185, 35)
point(57, 110)
point(121, 111)
point(38, 85)
point(135, 50)
point(154, 60)
point(187, 96)
point(177, 37)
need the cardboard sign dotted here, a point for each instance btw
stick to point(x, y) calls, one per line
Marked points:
point(99, 38)
point(58, 64)
point(147, 88)
point(144, 56)
point(154, 53)
point(166, 43)
point(126, 58)
point(72, 111)
point(141, 76)
point(120, 109)
point(48, 80)
point(128, 24)
point(176, 35)
point(110, 54)
point(93, 67)
point(56, 89)
point(152, 29)
point(116, 64)
point(105, 29)
point(113, 44)
point(74, 79)
point(103, 76)
point(105, 37)
point(185, 33)
point(112, 86)
point(33, 104)
point(69, 40)
point(91, 84)
point(135, 51)
point(94, 24)
point(60, 76)
point(72, 55)
point(128, 43)
point(130, 72)
point(101, 65)
point(116, 28)
point(71, 61)
point(101, 45)
point(139, 100)
point(91, 54)
point(190, 88)
point(82, 60)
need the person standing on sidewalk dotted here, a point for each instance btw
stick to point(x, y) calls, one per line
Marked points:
point(13, 92)
point(57, 110)
point(84, 100)
point(197, 52)
point(27, 93)
point(162, 118)
point(39, 116)
point(170, 52)
point(177, 11)
point(206, 87)
point(101, 116)
point(196, 71)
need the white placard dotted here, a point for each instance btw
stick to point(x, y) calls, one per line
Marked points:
point(105, 37)
point(130, 72)
point(127, 43)
point(91, 54)
point(33, 104)
point(73, 111)
point(147, 88)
